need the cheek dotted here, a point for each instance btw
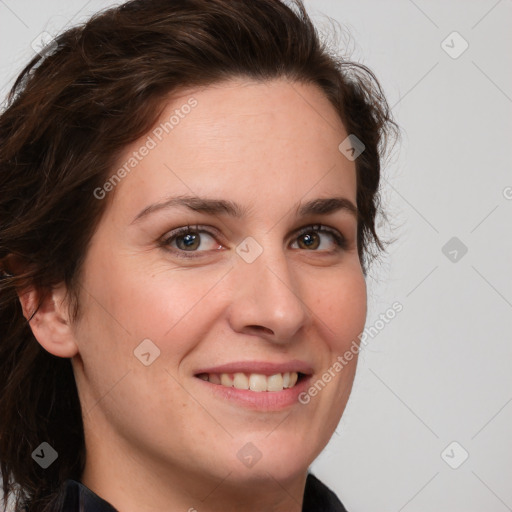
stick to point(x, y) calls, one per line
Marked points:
point(341, 305)
point(170, 307)
point(124, 306)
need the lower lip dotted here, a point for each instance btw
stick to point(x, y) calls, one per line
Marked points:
point(260, 400)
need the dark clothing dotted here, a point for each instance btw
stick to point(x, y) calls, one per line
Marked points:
point(319, 498)
point(79, 498)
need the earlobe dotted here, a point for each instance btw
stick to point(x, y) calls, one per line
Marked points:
point(48, 318)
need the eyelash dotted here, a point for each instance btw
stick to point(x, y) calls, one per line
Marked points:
point(338, 238)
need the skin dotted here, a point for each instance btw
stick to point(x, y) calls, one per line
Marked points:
point(155, 438)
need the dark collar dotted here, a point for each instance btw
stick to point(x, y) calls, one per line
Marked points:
point(79, 498)
point(319, 498)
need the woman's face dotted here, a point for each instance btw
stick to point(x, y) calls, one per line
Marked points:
point(242, 291)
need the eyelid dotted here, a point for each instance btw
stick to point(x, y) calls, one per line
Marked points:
point(339, 237)
point(164, 242)
point(170, 236)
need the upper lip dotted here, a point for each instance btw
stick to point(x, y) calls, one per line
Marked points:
point(261, 367)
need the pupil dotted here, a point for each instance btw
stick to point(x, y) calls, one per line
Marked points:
point(189, 240)
point(308, 240)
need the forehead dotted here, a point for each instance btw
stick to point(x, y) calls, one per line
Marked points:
point(242, 138)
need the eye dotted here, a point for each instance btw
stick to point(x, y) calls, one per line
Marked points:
point(187, 241)
point(310, 238)
point(190, 239)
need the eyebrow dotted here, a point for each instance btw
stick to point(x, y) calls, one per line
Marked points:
point(321, 206)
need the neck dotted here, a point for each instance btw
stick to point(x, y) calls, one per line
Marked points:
point(136, 484)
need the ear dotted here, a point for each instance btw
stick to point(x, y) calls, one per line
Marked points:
point(49, 323)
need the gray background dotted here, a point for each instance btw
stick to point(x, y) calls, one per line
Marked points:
point(439, 372)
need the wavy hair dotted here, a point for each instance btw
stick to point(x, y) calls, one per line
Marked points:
point(71, 112)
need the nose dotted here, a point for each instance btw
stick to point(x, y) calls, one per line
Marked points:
point(267, 297)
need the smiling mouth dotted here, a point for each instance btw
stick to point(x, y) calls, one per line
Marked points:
point(254, 381)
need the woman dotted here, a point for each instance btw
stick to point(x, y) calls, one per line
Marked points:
point(189, 193)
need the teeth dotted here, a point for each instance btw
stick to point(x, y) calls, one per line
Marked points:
point(254, 381)
point(239, 382)
point(257, 382)
point(214, 379)
point(225, 380)
point(275, 382)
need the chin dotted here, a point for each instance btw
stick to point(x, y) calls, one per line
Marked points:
point(276, 457)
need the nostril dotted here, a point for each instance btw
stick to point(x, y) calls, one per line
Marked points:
point(261, 328)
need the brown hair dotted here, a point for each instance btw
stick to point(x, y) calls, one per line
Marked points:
point(70, 113)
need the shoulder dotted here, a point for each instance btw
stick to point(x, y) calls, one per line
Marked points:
point(319, 498)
